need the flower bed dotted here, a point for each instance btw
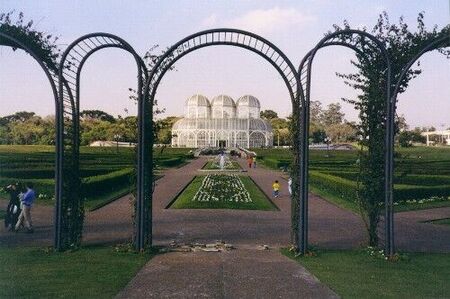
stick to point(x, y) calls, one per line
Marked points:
point(220, 187)
point(222, 191)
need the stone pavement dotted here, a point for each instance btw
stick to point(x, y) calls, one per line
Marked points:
point(241, 273)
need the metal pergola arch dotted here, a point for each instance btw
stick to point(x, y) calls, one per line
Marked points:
point(351, 39)
point(213, 37)
point(69, 208)
point(53, 78)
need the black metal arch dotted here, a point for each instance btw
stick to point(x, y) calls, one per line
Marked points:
point(442, 42)
point(231, 37)
point(69, 206)
point(355, 40)
point(213, 37)
point(53, 78)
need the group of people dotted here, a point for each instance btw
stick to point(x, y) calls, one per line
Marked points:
point(18, 212)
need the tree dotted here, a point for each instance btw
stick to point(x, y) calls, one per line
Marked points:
point(268, 114)
point(315, 114)
point(402, 45)
point(332, 115)
point(97, 114)
point(407, 138)
point(280, 128)
point(341, 132)
point(164, 129)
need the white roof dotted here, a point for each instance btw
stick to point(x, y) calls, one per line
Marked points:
point(198, 100)
point(223, 101)
point(248, 100)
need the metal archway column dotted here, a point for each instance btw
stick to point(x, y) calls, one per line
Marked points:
point(434, 45)
point(369, 43)
point(52, 76)
point(70, 214)
point(214, 37)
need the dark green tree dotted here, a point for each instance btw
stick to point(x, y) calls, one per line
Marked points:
point(268, 114)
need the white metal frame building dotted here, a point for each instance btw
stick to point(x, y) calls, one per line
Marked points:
point(222, 123)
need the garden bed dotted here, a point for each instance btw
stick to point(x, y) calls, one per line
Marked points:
point(223, 191)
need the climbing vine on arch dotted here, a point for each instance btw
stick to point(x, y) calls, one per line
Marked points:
point(41, 43)
point(402, 44)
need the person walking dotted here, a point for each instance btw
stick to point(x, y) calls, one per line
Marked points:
point(25, 215)
point(13, 209)
point(276, 189)
point(249, 161)
point(254, 161)
point(290, 185)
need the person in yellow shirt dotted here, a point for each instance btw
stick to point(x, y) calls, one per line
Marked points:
point(276, 189)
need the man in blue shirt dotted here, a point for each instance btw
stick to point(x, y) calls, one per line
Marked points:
point(25, 215)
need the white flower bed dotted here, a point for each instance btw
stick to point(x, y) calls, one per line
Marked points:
point(222, 187)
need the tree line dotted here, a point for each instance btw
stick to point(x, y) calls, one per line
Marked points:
point(27, 128)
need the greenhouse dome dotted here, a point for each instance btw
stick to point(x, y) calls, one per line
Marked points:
point(222, 123)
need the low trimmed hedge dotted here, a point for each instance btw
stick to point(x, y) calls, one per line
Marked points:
point(101, 184)
point(346, 189)
point(42, 186)
point(337, 186)
point(170, 162)
point(91, 186)
point(276, 163)
point(48, 173)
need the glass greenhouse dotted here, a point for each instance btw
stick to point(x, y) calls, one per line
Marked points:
point(222, 123)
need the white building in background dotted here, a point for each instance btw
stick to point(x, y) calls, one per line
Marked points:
point(222, 123)
point(444, 136)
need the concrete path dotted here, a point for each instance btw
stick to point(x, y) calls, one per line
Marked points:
point(241, 273)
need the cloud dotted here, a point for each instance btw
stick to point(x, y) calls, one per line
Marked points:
point(270, 20)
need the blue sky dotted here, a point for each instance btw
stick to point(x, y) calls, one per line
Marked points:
point(294, 26)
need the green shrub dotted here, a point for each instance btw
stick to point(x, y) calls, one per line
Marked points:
point(337, 186)
point(42, 186)
point(106, 183)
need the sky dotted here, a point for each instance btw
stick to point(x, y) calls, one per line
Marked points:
point(293, 26)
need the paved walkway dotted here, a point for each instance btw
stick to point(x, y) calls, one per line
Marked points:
point(235, 274)
point(245, 271)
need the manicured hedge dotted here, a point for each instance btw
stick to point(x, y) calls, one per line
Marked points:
point(337, 186)
point(346, 189)
point(91, 186)
point(276, 163)
point(102, 184)
point(170, 162)
point(42, 186)
point(46, 173)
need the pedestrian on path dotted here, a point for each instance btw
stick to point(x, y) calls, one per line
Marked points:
point(249, 161)
point(290, 185)
point(25, 215)
point(276, 189)
point(254, 161)
point(13, 209)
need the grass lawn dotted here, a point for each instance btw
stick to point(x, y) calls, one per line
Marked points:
point(2, 214)
point(444, 221)
point(259, 200)
point(91, 272)
point(355, 274)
